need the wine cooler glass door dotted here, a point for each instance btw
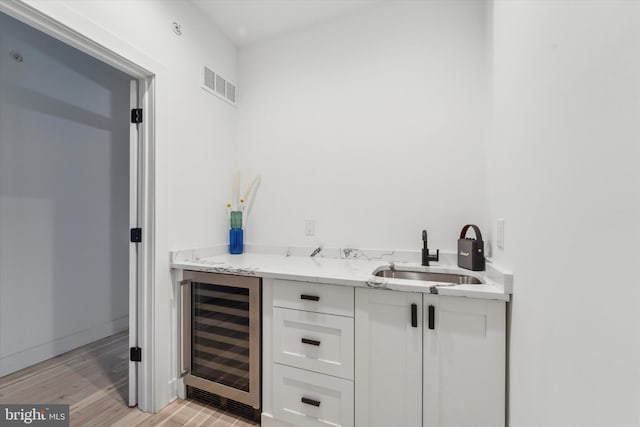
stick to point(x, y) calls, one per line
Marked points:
point(221, 335)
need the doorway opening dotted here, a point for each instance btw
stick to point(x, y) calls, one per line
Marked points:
point(74, 181)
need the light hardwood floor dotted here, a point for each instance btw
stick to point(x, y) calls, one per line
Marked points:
point(93, 381)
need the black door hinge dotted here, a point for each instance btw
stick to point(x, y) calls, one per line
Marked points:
point(136, 235)
point(135, 354)
point(136, 115)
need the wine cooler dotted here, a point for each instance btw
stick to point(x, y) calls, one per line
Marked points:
point(220, 336)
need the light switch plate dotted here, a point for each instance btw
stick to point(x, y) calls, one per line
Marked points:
point(500, 233)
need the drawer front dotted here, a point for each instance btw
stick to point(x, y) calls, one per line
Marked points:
point(318, 297)
point(314, 341)
point(308, 399)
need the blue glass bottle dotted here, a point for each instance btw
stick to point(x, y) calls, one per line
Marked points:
point(236, 241)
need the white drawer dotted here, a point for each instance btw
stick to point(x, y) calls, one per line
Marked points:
point(317, 342)
point(329, 400)
point(318, 297)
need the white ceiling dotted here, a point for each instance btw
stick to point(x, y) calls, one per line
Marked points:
point(248, 21)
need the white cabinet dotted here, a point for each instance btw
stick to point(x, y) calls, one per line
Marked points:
point(419, 360)
point(464, 362)
point(308, 354)
point(446, 371)
point(388, 368)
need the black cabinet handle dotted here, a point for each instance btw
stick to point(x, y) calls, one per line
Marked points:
point(414, 315)
point(310, 342)
point(310, 297)
point(432, 317)
point(311, 402)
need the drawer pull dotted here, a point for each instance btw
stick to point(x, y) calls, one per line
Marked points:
point(311, 402)
point(310, 297)
point(310, 342)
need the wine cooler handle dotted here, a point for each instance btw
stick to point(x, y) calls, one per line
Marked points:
point(184, 364)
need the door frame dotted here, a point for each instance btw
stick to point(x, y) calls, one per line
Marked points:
point(134, 219)
point(142, 305)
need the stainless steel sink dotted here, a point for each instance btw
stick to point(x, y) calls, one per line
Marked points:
point(430, 276)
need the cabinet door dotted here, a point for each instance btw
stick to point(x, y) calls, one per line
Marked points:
point(464, 362)
point(388, 352)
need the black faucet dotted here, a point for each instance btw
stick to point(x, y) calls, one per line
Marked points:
point(425, 251)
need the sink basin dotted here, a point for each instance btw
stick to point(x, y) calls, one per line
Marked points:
point(458, 279)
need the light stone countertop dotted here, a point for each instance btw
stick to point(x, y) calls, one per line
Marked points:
point(347, 267)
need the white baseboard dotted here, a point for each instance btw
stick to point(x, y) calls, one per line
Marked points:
point(181, 389)
point(23, 359)
point(173, 389)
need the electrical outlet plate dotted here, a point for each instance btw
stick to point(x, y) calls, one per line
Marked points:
point(500, 233)
point(310, 227)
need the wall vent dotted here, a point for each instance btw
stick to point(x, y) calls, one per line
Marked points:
point(231, 92)
point(217, 85)
point(221, 85)
point(209, 79)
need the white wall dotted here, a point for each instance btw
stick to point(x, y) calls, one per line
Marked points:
point(372, 124)
point(194, 139)
point(564, 174)
point(200, 128)
point(64, 198)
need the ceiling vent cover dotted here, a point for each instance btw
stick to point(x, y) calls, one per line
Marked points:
point(219, 86)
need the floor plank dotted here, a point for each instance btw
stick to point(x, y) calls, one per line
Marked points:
point(93, 381)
